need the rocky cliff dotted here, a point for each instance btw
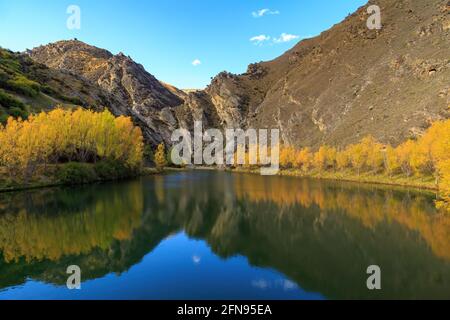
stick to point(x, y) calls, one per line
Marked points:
point(348, 82)
point(139, 94)
point(335, 88)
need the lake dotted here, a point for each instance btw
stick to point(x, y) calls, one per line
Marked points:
point(218, 235)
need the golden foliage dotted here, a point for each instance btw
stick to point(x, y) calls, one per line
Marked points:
point(287, 156)
point(371, 206)
point(38, 236)
point(78, 135)
point(427, 156)
point(303, 159)
point(160, 157)
point(440, 155)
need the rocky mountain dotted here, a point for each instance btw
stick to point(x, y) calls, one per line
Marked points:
point(335, 88)
point(139, 93)
point(346, 83)
point(27, 86)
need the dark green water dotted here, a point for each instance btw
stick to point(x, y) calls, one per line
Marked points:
point(212, 235)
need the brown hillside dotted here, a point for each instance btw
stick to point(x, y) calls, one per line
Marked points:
point(347, 83)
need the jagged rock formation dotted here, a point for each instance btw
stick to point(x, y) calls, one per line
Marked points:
point(139, 93)
point(335, 88)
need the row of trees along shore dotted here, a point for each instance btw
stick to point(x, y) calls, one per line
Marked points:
point(67, 136)
point(427, 157)
point(80, 136)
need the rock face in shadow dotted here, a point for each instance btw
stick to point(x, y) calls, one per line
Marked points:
point(336, 88)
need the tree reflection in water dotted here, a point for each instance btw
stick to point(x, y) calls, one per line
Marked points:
point(322, 235)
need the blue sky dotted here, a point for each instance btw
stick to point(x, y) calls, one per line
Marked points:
point(168, 36)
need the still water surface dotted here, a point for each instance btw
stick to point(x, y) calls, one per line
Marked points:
point(214, 235)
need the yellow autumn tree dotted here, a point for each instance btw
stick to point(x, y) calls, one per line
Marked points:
point(160, 157)
point(429, 155)
point(440, 155)
point(331, 157)
point(67, 135)
point(342, 160)
point(303, 159)
point(320, 158)
point(358, 156)
point(375, 153)
point(404, 155)
point(287, 156)
point(391, 161)
point(9, 147)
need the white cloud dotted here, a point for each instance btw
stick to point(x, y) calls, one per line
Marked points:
point(259, 40)
point(285, 37)
point(263, 12)
point(196, 62)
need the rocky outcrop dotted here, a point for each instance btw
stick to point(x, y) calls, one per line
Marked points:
point(138, 93)
point(344, 84)
point(350, 81)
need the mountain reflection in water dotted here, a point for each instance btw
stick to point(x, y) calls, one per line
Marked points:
point(312, 238)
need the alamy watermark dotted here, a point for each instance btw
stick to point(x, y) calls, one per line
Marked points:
point(374, 20)
point(374, 280)
point(74, 20)
point(239, 147)
point(74, 280)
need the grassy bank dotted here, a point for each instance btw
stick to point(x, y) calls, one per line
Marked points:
point(83, 173)
point(71, 174)
point(418, 182)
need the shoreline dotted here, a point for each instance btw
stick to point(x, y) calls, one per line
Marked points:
point(364, 179)
point(415, 182)
point(55, 184)
point(419, 183)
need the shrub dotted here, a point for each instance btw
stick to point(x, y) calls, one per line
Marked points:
point(4, 118)
point(3, 77)
point(8, 101)
point(148, 154)
point(76, 173)
point(23, 85)
point(112, 170)
point(17, 112)
point(48, 90)
point(9, 62)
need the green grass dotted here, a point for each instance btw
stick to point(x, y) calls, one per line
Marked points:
point(8, 101)
point(9, 63)
point(22, 85)
point(76, 173)
point(71, 174)
point(420, 182)
point(23, 80)
point(11, 106)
